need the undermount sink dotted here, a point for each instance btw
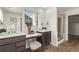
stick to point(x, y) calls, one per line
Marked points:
point(43, 30)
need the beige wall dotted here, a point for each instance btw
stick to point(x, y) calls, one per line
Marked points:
point(74, 28)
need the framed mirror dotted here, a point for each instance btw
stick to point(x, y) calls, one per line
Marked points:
point(1, 18)
point(12, 20)
point(28, 21)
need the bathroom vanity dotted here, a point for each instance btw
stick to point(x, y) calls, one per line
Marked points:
point(13, 38)
point(12, 43)
point(46, 37)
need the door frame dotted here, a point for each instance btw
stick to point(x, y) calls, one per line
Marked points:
point(69, 13)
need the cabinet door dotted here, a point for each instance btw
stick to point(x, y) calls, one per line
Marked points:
point(48, 37)
point(8, 48)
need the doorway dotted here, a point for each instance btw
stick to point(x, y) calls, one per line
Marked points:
point(73, 27)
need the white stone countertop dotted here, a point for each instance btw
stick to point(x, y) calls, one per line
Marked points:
point(33, 35)
point(11, 35)
point(43, 30)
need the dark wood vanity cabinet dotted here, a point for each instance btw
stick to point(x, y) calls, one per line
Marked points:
point(46, 38)
point(13, 44)
point(8, 48)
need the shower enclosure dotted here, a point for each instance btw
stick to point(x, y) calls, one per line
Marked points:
point(60, 28)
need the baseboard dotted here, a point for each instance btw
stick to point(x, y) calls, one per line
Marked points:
point(56, 45)
point(60, 41)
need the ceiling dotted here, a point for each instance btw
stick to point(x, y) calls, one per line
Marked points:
point(60, 10)
point(20, 9)
point(13, 9)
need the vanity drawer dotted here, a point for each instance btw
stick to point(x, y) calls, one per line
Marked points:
point(21, 43)
point(13, 44)
point(8, 48)
point(18, 38)
point(11, 40)
point(20, 49)
point(5, 41)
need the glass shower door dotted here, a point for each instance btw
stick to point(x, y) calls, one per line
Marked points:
point(60, 28)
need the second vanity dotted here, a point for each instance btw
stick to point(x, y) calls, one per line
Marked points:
point(46, 37)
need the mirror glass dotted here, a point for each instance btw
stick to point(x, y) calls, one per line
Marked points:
point(30, 17)
point(11, 20)
point(1, 18)
point(28, 21)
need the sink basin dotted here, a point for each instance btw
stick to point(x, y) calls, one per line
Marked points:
point(43, 30)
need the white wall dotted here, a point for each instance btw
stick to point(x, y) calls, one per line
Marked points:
point(73, 12)
point(40, 18)
point(51, 17)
